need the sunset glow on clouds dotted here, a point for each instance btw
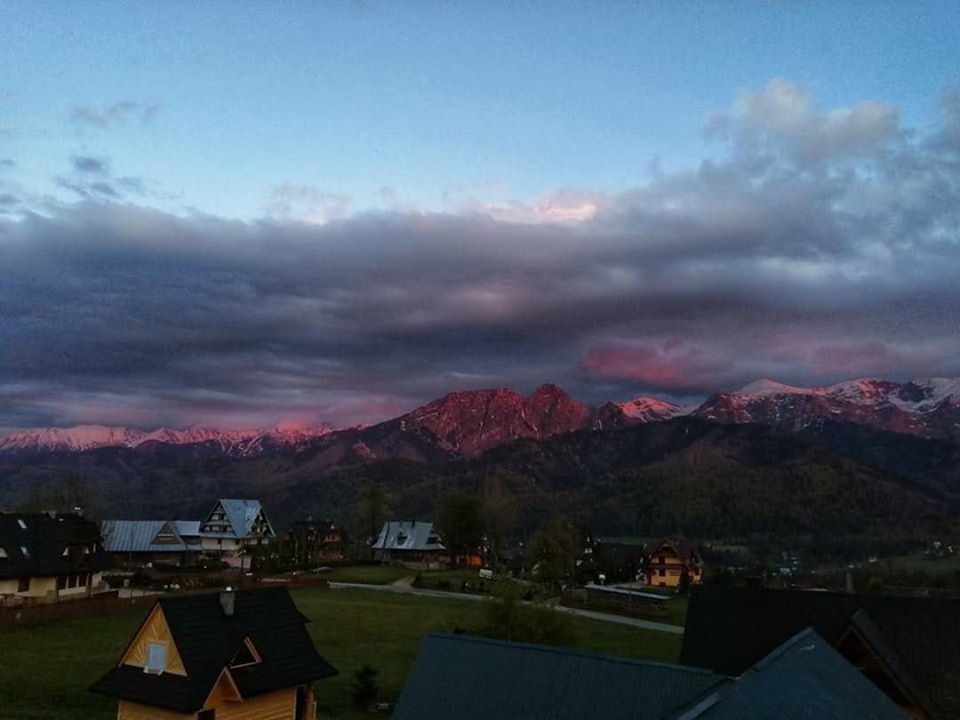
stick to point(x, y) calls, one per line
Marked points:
point(812, 243)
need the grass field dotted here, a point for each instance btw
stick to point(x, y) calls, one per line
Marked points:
point(45, 670)
point(367, 574)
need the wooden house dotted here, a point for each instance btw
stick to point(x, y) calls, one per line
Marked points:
point(313, 541)
point(908, 647)
point(233, 655)
point(230, 530)
point(164, 542)
point(234, 526)
point(47, 558)
point(416, 544)
point(670, 560)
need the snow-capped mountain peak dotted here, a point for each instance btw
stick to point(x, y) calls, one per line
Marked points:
point(88, 437)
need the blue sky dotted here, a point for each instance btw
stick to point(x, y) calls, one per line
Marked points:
point(433, 104)
point(238, 214)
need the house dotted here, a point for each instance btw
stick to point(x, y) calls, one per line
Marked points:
point(412, 543)
point(233, 526)
point(164, 542)
point(227, 655)
point(908, 647)
point(311, 541)
point(670, 560)
point(48, 557)
point(230, 530)
point(471, 678)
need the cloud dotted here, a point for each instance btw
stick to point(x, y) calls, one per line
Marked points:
point(782, 118)
point(7, 164)
point(306, 203)
point(84, 164)
point(122, 112)
point(772, 261)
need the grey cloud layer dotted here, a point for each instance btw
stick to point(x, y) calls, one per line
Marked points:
point(826, 245)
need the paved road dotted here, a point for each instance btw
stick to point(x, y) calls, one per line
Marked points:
point(604, 617)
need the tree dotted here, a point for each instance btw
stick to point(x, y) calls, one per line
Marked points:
point(508, 617)
point(373, 509)
point(365, 689)
point(498, 514)
point(553, 552)
point(458, 522)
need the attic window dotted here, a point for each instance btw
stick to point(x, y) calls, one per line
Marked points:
point(156, 658)
point(22, 524)
point(24, 551)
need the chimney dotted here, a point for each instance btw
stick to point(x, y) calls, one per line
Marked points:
point(227, 601)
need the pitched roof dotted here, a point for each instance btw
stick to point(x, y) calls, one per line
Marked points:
point(407, 535)
point(803, 679)
point(34, 545)
point(470, 678)
point(141, 535)
point(241, 514)
point(729, 629)
point(684, 549)
point(207, 640)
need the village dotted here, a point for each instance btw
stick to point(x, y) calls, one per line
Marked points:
point(227, 616)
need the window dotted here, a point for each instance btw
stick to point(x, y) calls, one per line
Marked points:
point(663, 560)
point(207, 715)
point(22, 524)
point(3, 553)
point(156, 658)
point(23, 585)
point(662, 572)
point(62, 582)
point(24, 551)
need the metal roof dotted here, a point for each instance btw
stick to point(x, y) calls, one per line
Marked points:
point(471, 678)
point(627, 591)
point(803, 679)
point(139, 536)
point(407, 535)
point(242, 514)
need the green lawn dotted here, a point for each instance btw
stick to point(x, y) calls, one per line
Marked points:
point(367, 574)
point(45, 670)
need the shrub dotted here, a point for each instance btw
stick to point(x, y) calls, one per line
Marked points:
point(365, 688)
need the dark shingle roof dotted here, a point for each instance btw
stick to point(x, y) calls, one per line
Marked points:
point(207, 640)
point(469, 678)
point(34, 545)
point(803, 679)
point(729, 629)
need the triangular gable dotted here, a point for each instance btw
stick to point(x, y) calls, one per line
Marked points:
point(154, 629)
point(223, 690)
point(167, 535)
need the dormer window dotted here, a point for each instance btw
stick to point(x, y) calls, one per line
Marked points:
point(156, 658)
point(246, 655)
point(22, 524)
point(24, 551)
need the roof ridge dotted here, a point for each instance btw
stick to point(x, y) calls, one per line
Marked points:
point(462, 637)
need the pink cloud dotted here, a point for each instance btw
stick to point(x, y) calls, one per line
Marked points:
point(673, 366)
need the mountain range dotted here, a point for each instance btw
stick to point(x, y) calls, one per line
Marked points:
point(869, 461)
point(467, 423)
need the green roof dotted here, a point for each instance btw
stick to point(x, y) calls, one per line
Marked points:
point(468, 678)
point(803, 679)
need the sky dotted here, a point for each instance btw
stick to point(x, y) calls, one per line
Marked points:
point(240, 214)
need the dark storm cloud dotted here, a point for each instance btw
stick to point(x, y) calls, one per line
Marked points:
point(824, 246)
